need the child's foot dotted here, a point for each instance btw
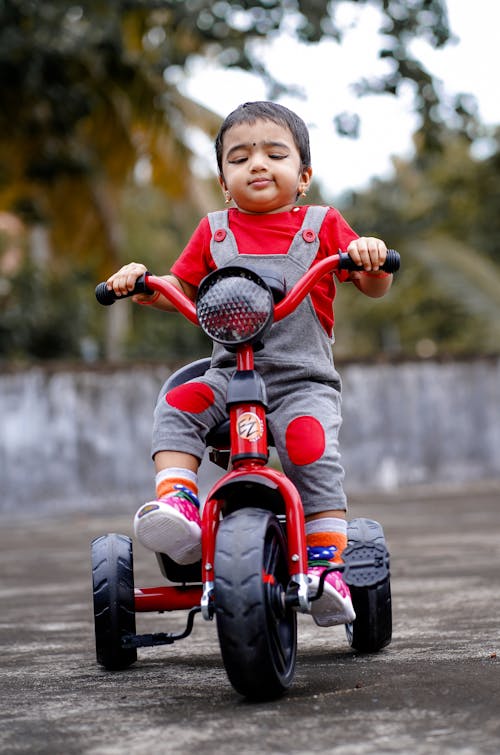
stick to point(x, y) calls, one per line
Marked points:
point(171, 525)
point(335, 605)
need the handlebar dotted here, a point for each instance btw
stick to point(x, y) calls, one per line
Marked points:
point(340, 261)
point(148, 284)
point(106, 296)
point(391, 264)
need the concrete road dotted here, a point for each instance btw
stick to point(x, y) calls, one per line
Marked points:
point(435, 689)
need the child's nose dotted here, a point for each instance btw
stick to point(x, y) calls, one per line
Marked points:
point(257, 160)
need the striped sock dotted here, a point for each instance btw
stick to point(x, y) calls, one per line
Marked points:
point(168, 481)
point(326, 540)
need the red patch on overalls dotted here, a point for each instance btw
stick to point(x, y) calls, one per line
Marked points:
point(305, 440)
point(191, 397)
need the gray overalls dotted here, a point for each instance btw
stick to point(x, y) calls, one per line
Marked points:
point(303, 386)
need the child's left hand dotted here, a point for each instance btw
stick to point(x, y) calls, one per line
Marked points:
point(368, 252)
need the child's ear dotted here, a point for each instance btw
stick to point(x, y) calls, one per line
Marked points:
point(227, 194)
point(304, 182)
point(306, 178)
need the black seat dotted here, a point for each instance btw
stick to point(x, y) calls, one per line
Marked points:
point(185, 373)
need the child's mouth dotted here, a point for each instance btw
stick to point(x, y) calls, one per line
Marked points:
point(260, 183)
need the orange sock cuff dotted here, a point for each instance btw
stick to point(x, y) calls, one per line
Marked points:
point(326, 546)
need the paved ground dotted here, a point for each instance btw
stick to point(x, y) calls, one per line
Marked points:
point(436, 689)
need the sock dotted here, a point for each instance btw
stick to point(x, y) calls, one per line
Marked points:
point(167, 481)
point(326, 540)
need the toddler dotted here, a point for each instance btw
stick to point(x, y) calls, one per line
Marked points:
point(264, 164)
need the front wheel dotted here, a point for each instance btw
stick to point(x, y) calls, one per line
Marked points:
point(372, 628)
point(113, 592)
point(257, 630)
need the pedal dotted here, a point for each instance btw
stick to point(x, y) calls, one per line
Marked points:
point(365, 564)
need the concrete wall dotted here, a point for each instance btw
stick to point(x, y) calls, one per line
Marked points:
point(81, 436)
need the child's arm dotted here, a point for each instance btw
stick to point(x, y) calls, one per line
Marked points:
point(370, 253)
point(123, 281)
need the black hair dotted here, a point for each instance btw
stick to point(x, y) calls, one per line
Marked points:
point(250, 112)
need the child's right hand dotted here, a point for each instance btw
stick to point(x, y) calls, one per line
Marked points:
point(123, 281)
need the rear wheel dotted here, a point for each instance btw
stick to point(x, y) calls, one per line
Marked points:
point(372, 628)
point(113, 592)
point(257, 630)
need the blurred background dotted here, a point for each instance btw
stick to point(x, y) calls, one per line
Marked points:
point(107, 118)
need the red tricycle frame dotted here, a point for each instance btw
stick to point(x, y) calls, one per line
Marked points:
point(255, 453)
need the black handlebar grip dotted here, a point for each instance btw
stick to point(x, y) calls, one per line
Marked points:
point(391, 264)
point(106, 296)
point(392, 261)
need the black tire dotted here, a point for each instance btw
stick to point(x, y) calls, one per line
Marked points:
point(257, 632)
point(372, 628)
point(113, 591)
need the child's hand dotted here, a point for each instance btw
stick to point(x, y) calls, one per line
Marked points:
point(368, 252)
point(123, 281)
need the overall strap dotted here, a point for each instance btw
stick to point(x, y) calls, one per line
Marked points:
point(223, 245)
point(305, 244)
point(302, 250)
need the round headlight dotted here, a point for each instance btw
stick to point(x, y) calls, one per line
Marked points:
point(234, 306)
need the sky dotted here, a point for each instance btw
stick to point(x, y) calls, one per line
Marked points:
point(325, 72)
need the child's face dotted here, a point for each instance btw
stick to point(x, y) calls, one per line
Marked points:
point(261, 167)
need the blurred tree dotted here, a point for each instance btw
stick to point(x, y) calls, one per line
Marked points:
point(42, 319)
point(441, 212)
point(90, 108)
point(87, 96)
point(81, 106)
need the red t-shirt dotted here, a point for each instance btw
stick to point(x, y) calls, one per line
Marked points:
point(271, 234)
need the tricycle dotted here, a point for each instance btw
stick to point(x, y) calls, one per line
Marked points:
point(253, 510)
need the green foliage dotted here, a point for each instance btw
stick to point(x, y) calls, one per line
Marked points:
point(46, 316)
point(88, 95)
point(441, 212)
point(82, 101)
point(87, 91)
point(165, 337)
point(156, 233)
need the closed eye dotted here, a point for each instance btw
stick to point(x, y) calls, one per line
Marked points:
point(240, 160)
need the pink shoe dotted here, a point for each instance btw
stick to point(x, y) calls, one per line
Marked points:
point(171, 525)
point(335, 605)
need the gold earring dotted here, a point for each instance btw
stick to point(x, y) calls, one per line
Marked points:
point(227, 197)
point(303, 193)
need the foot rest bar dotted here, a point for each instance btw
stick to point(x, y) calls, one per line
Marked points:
point(167, 598)
point(129, 641)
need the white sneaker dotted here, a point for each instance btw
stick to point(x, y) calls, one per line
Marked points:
point(335, 605)
point(171, 525)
